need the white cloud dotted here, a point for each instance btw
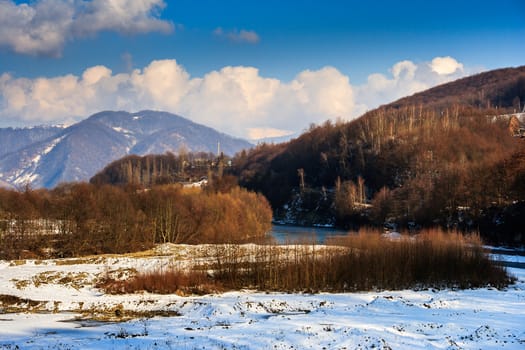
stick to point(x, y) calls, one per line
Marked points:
point(42, 27)
point(261, 133)
point(123, 16)
point(407, 78)
point(235, 100)
point(93, 75)
point(404, 70)
point(445, 65)
point(234, 35)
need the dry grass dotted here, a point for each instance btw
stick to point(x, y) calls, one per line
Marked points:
point(17, 262)
point(433, 258)
point(76, 261)
point(12, 304)
point(20, 284)
point(169, 281)
point(357, 262)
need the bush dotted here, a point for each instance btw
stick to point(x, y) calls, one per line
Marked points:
point(83, 219)
point(170, 281)
point(357, 262)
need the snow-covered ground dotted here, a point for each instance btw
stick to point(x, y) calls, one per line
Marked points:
point(511, 257)
point(63, 304)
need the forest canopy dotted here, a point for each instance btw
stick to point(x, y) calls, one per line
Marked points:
point(407, 166)
point(80, 219)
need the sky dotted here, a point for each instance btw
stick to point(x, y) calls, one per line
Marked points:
point(251, 69)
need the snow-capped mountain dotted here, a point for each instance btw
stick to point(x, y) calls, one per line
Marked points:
point(48, 156)
point(14, 139)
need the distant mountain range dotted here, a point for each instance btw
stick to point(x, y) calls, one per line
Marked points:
point(46, 156)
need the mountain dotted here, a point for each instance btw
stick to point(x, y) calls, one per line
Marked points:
point(275, 139)
point(45, 157)
point(12, 140)
point(439, 157)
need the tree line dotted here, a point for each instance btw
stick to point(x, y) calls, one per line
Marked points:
point(413, 166)
point(360, 261)
point(81, 218)
point(158, 169)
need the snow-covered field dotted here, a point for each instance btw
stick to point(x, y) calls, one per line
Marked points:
point(58, 307)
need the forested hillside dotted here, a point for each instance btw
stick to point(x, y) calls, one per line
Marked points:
point(47, 156)
point(156, 169)
point(500, 88)
point(431, 159)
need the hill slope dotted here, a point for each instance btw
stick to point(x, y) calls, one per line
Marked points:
point(429, 159)
point(76, 153)
point(500, 88)
point(12, 140)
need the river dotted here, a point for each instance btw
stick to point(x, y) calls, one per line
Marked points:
point(294, 234)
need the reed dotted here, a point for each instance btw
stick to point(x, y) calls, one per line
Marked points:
point(361, 261)
point(170, 281)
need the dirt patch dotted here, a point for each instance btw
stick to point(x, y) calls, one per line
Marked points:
point(20, 284)
point(12, 303)
point(76, 280)
point(118, 313)
point(76, 261)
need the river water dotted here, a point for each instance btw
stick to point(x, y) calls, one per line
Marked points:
point(297, 234)
point(287, 234)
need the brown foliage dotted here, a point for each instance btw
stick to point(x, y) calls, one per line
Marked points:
point(497, 88)
point(441, 153)
point(81, 219)
point(430, 162)
point(171, 281)
point(357, 262)
point(151, 170)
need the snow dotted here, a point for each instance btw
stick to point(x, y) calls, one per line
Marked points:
point(197, 184)
point(392, 235)
point(27, 173)
point(484, 318)
point(512, 257)
point(122, 130)
point(509, 258)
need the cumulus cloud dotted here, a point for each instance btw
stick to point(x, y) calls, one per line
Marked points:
point(406, 78)
point(445, 65)
point(235, 100)
point(42, 27)
point(236, 36)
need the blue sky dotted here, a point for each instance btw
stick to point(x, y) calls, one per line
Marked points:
point(328, 59)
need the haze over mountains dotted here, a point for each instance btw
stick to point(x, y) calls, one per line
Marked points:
point(46, 156)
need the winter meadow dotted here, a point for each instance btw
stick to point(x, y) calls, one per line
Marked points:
point(262, 175)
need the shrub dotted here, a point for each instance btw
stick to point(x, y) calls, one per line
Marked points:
point(84, 219)
point(171, 281)
point(357, 262)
